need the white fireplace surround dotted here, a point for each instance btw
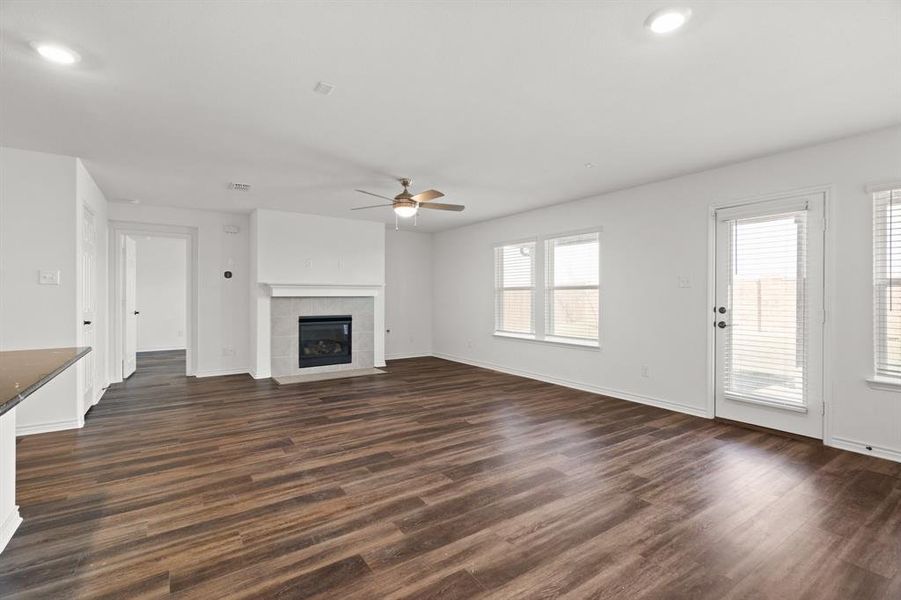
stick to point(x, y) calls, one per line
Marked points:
point(291, 290)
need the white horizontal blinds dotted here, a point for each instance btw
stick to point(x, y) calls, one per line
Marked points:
point(766, 337)
point(887, 282)
point(571, 283)
point(514, 266)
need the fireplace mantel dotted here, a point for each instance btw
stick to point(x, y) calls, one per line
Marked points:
point(302, 290)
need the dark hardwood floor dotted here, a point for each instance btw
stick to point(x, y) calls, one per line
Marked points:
point(438, 480)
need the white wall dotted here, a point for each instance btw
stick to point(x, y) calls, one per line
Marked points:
point(408, 294)
point(309, 249)
point(654, 234)
point(300, 249)
point(42, 199)
point(223, 315)
point(39, 216)
point(161, 292)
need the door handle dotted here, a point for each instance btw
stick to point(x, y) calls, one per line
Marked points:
point(721, 324)
point(87, 322)
point(137, 312)
point(721, 310)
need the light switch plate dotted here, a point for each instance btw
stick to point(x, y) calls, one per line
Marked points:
point(684, 281)
point(48, 277)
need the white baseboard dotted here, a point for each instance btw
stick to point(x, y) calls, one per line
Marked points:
point(9, 526)
point(221, 372)
point(408, 355)
point(48, 427)
point(260, 374)
point(864, 448)
point(100, 394)
point(640, 399)
point(161, 349)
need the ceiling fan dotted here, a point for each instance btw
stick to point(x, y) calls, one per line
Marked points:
point(406, 205)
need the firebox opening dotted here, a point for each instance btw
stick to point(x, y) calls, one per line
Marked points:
point(324, 340)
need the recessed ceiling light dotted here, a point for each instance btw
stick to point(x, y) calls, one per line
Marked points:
point(589, 165)
point(134, 201)
point(56, 53)
point(667, 20)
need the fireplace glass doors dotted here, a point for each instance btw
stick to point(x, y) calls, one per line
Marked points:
point(324, 340)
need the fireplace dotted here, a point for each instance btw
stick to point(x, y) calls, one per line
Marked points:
point(324, 340)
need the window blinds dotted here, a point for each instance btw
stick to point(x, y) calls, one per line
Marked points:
point(571, 285)
point(766, 340)
point(887, 282)
point(514, 276)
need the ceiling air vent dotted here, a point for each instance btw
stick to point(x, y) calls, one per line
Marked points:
point(239, 187)
point(325, 88)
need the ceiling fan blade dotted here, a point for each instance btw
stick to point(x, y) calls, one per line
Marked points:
point(427, 196)
point(372, 206)
point(439, 206)
point(376, 195)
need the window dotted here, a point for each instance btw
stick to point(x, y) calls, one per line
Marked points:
point(571, 285)
point(565, 269)
point(766, 283)
point(887, 282)
point(514, 268)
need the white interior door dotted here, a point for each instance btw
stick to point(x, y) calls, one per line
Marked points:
point(130, 339)
point(769, 314)
point(89, 305)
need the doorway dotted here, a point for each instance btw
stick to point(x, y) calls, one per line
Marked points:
point(769, 316)
point(154, 297)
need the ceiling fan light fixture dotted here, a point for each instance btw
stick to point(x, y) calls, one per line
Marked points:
point(405, 211)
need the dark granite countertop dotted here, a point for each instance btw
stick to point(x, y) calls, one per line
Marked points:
point(24, 371)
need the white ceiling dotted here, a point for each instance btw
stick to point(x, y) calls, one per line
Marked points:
point(498, 104)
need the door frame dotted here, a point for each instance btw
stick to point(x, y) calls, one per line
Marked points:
point(118, 231)
point(828, 192)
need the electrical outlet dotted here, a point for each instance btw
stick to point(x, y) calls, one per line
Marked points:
point(308, 263)
point(645, 371)
point(469, 343)
point(684, 281)
point(228, 351)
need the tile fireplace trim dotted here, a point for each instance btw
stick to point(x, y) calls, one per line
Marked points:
point(261, 365)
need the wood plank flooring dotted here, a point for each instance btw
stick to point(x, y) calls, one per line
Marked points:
point(437, 480)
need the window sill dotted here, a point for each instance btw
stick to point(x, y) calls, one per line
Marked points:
point(885, 384)
point(551, 341)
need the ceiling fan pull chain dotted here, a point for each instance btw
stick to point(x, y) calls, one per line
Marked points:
point(396, 228)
